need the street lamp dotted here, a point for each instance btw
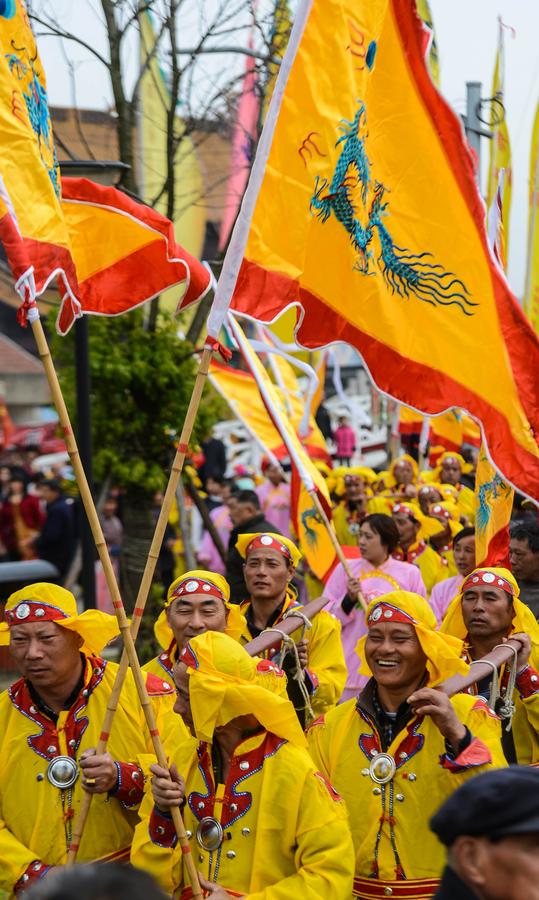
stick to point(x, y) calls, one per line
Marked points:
point(107, 172)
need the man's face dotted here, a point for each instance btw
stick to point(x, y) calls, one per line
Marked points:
point(354, 488)
point(486, 612)
point(46, 493)
point(505, 870)
point(394, 655)
point(109, 508)
point(193, 614)
point(451, 471)
point(241, 512)
point(464, 553)
point(182, 706)
point(45, 653)
point(427, 496)
point(407, 528)
point(266, 573)
point(403, 472)
point(524, 562)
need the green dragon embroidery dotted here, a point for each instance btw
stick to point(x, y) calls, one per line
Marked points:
point(353, 195)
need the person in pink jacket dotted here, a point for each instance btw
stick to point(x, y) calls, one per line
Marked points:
point(374, 574)
point(445, 591)
point(274, 496)
point(345, 441)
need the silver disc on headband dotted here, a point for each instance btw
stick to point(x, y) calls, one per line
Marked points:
point(382, 768)
point(209, 834)
point(62, 772)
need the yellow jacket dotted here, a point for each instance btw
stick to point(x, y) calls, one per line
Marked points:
point(433, 567)
point(286, 833)
point(525, 723)
point(35, 816)
point(346, 535)
point(327, 667)
point(342, 746)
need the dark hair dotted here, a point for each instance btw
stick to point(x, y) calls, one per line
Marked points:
point(385, 527)
point(463, 533)
point(53, 484)
point(97, 882)
point(247, 497)
point(528, 532)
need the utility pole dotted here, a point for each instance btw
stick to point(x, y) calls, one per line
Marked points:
point(473, 123)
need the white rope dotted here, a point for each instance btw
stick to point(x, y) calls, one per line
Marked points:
point(299, 676)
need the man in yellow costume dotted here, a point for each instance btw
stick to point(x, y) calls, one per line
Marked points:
point(264, 824)
point(450, 467)
point(50, 723)
point(486, 611)
point(412, 549)
point(357, 503)
point(196, 602)
point(270, 562)
point(402, 747)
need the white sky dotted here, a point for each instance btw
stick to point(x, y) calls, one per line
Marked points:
point(466, 32)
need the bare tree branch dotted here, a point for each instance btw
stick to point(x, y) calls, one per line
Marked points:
point(54, 30)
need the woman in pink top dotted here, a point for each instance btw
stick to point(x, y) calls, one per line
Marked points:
point(207, 554)
point(274, 496)
point(345, 441)
point(375, 574)
point(464, 552)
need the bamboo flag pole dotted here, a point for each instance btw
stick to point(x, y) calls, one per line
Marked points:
point(89, 506)
point(145, 585)
point(335, 541)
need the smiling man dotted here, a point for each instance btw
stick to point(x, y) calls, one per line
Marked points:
point(197, 601)
point(269, 565)
point(486, 612)
point(402, 747)
point(50, 723)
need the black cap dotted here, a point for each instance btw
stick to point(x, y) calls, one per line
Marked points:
point(496, 804)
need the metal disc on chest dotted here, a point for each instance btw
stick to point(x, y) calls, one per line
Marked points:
point(62, 772)
point(382, 768)
point(209, 834)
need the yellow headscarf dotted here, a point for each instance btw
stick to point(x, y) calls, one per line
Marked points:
point(43, 602)
point(432, 523)
point(245, 540)
point(449, 454)
point(225, 682)
point(404, 457)
point(335, 480)
point(235, 621)
point(523, 618)
point(443, 651)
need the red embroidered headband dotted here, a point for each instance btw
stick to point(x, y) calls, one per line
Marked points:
point(384, 612)
point(407, 510)
point(267, 542)
point(33, 611)
point(196, 586)
point(488, 578)
point(440, 511)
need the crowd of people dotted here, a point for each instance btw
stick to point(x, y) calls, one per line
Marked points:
point(333, 763)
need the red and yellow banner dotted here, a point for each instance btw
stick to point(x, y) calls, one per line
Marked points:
point(531, 290)
point(364, 213)
point(32, 227)
point(500, 150)
point(124, 252)
point(493, 507)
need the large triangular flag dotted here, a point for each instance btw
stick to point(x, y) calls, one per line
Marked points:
point(362, 209)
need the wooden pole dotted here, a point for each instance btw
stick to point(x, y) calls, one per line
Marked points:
point(287, 625)
point(334, 540)
point(123, 624)
point(480, 669)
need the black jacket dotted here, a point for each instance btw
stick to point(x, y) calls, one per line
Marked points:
point(234, 562)
point(452, 887)
point(57, 540)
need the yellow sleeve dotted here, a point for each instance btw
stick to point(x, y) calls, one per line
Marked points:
point(326, 662)
point(324, 856)
point(14, 859)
